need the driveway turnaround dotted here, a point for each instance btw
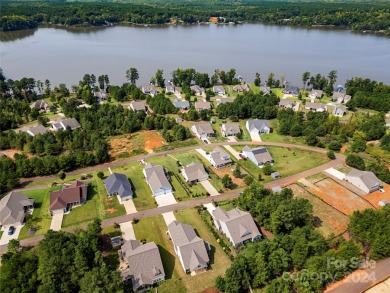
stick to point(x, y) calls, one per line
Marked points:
point(332, 171)
point(165, 200)
point(210, 207)
point(232, 151)
point(56, 222)
point(255, 137)
point(169, 217)
point(5, 238)
point(129, 207)
point(127, 230)
point(209, 188)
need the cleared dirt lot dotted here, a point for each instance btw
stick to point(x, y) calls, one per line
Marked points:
point(376, 196)
point(328, 220)
point(338, 196)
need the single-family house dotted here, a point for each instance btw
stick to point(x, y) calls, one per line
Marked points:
point(259, 156)
point(284, 103)
point(191, 250)
point(118, 184)
point(224, 101)
point(258, 126)
point(230, 129)
point(40, 105)
point(203, 130)
point(246, 87)
point(341, 97)
point(275, 175)
point(13, 209)
point(170, 89)
point(144, 267)
point(316, 94)
point(100, 96)
point(157, 178)
point(291, 90)
point(266, 90)
point(218, 89)
point(35, 130)
point(64, 124)
point(202, 106)
point(197, 90)
point(194, 172)
point(149, 90)
point(238, 88)
point(138, 106)
point(62, 201)
point(318, 107)
point(219, 158)
point(238, 226)
point(364, 180)
point(178, 120)
point(181, 104)
point(339, 110)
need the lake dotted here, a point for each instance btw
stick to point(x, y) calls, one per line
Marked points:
point(64, 56)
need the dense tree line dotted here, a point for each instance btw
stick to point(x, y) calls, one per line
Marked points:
point(286, 263)
point(250, 105)
point(160, 104)
point(356, 16)
point(378, 168)
point(62, 262)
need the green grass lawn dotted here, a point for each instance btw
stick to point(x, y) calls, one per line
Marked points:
point(143, 199)
point(112, 231)
point(41, 211)
point(83, 214)
point(227, 205)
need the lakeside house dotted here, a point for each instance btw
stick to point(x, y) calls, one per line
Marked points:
point(13, 209)
point(203, 130)
point(157, 178)
point(317, 107)
point(181, 104)
point(197, 90)
point(266, 90)
point(63, 200)
point(339, 110)
point(241, 88)
point(341, 97)
point(149, 89)
point(199, 106)
point(100, 96)
point(72, 123)
point(118, 185)
point(259, 156)
point(230, 129)
point(138, 106)
point(191, 250)
point(364, 180)
point(316, 94)
point(238, 226)
point(40, 105)
point(194, 173)
point(219, 90)
point(287, 104)
point(258, 126)
point(170, 89)
point(142, 264)
point(219, 158)
point(224, 101)
point(291, 90)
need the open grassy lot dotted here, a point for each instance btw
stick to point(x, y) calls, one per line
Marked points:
point(143, 198)
point(41, 211)
point(327, 219)
point(55, 179)
point(218, 259)
point(227, 205)
point(85, 213)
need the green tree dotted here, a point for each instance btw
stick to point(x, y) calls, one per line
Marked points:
point(355, 161)
point(14, 246)
point(100, 175)
point(61, 175)
point(331, 154)
point(227, 181)
point(248, 180)
point(160, 78)
point(358, 145)
point(311, 139)
point(271, 80)
point(132, 75)
point(237, 171)
point(267, 169)
point(257, 80)
point(305, 78)
point(385, 142)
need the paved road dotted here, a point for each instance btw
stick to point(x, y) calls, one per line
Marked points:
point(144, 157)
point(189, 204)
point(360, 281)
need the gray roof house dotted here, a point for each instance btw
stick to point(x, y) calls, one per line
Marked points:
point(138, 106)
point(259, 156)
point(230, 129)
point(149, 89)
point(340, 97)
point(364, 180)
point(13, 207)
point(238, 88)
point(194, 173)
point(156, 177)
point(35, 130)
point(218, 89)
point(219, 158)
point(339, 111)
point(40, 105)
point(101, 96)
point(258, 126)
point(202, 106)
point(170, 89)
point(63, 124)
point(284, 103)
point(292, 90)
point(318, 107)
point(143, 264)
point(266, 90)
point(203, 130)
point(181, 104)
point(224, 101)
point(118, 184)
point(197, 89)
point(191, 250)
point(237, 225)
point(316, 94)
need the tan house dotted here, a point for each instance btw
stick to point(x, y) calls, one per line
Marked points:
point(138, 106)
point(199, 106)
point(230, 129)
point(194, 173)
point(219, 158)
point(203, 130)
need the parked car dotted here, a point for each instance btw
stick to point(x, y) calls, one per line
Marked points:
point(11, 230)
point(241, 156)
point(381, 190)
point(205, 141)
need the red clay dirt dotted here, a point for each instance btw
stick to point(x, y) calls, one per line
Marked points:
point(376, 196)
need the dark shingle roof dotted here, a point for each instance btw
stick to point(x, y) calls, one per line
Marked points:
point(118, 183)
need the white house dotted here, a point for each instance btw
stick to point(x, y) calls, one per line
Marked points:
point(318, 107)
point(203, 130)
point(364, 180)
point(218, 89)
point(258, 126)
point(219, 158)
point(63, 124)
point(259, 156)
point(230, 129)
point(316, 94)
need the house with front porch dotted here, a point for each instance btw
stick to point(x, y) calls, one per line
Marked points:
point(13, 209)
point(157, 178)
point(203, 130)
point(63, 200)
point(219, 158)
point(118, 185)
point(194, 173)
point(230, 129)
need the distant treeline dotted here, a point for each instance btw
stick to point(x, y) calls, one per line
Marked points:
point(372, 16)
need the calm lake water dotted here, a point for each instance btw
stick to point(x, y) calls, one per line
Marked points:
point(64, 56)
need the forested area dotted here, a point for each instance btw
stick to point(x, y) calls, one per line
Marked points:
point(373, 16)
point(62, 262)
point(298, 255)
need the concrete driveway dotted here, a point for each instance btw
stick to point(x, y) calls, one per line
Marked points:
point(255, 137)
point(203, 153)
point(336, 173)
point(127, 230)
point(169, 217)
point(56, 222)
point(5, 238)
point(232, 151)
point(209, 188)
point(210, 207)
point(231, 139)
point(165, 200)
point(129, 207)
